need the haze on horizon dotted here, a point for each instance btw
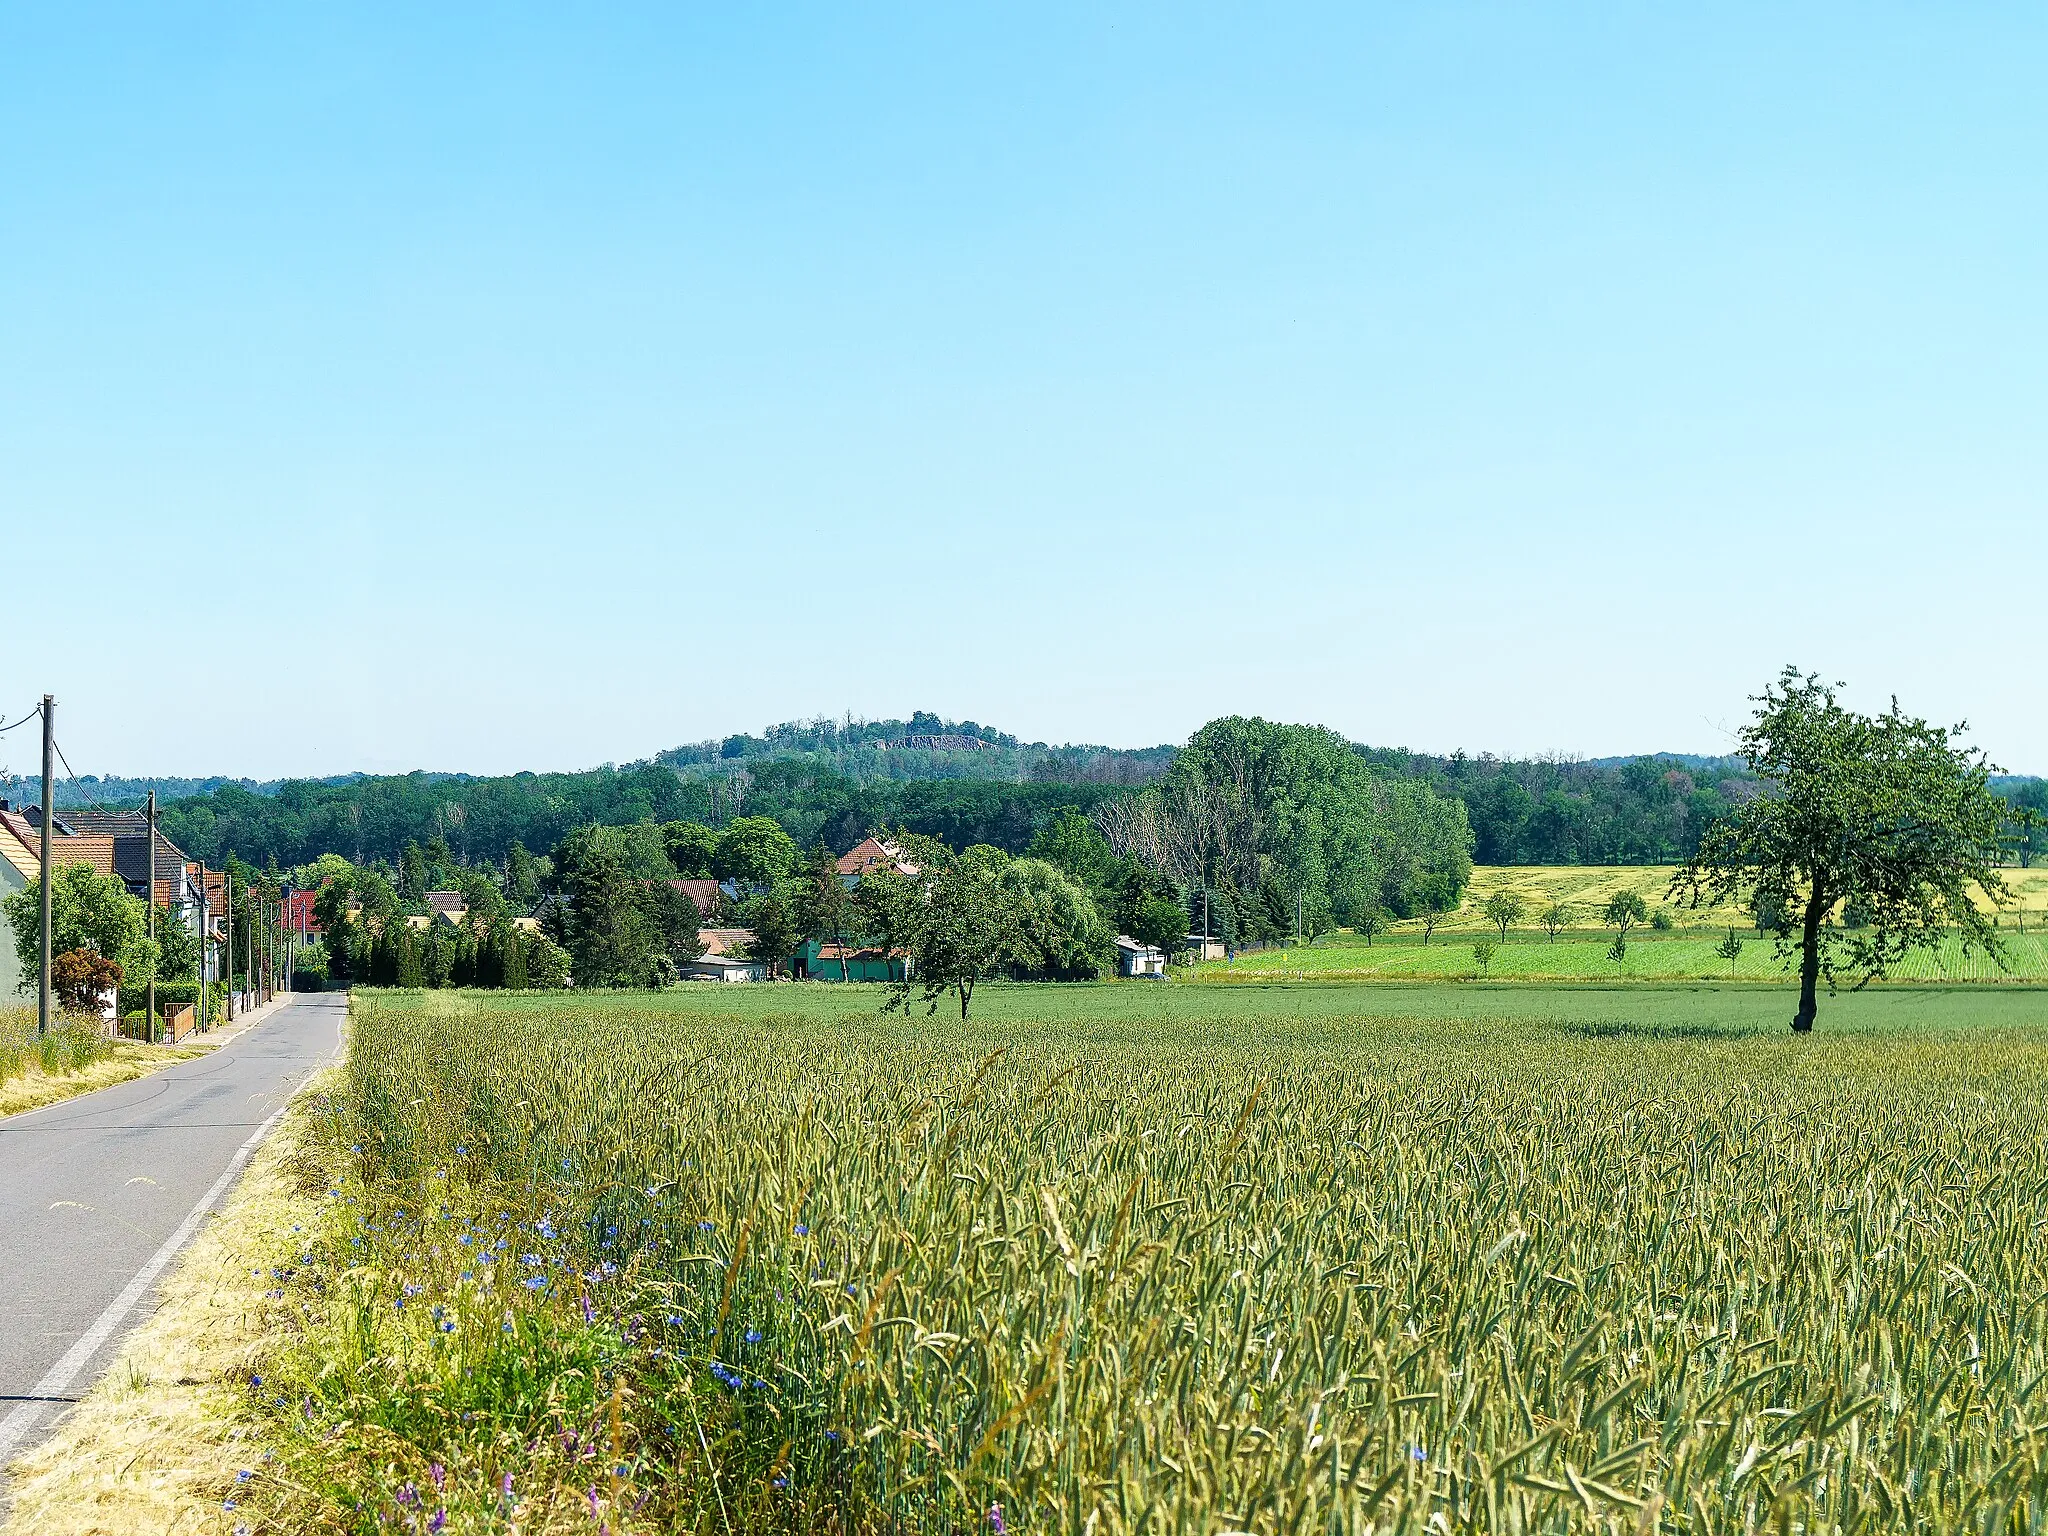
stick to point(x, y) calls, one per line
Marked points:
point(487, 390)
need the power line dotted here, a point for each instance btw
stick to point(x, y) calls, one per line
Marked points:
point(74, 779)
point(24, 720)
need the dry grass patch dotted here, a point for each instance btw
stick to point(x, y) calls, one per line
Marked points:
point(125, 1060)
point(158, 1443)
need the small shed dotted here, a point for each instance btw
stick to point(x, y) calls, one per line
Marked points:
point(1136, 959)
point(823, 960)
point(1201, 947)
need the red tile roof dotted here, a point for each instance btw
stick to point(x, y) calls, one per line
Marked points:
point(703, 892)
point(871, 852)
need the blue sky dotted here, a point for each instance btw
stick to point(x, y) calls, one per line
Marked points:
point(510, 388)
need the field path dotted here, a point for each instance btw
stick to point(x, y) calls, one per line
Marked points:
point(99, 1193)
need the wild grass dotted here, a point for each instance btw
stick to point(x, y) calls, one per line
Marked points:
point(768, 1263)
point(71, 1044)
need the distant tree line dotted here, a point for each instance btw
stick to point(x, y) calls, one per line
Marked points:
point(1651, 810)
point(481, 819)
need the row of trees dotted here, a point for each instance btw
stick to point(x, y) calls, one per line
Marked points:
point(368, 938)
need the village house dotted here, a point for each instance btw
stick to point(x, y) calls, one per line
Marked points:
point(872, 853)
point(1137, 959)
point(702, 893)
point(113, 843)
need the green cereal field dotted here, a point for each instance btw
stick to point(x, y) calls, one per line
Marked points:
point(1173, 1258)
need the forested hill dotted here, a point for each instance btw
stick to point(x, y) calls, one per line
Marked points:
point(481, 818)
point(922, 747)
point(956, 780)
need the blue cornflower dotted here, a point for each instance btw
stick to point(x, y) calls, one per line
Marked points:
point(535, 1282)
point(753, 1335)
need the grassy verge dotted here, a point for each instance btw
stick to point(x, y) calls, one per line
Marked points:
point(162, 1443)
point(76, 1057)
point(1273, 1261)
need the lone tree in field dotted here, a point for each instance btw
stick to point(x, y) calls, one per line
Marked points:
point(1504, 909)
point(1624, 910)
point(1433, 900)
point(1555, 919)
point(1886, 809)
point(962, 932)
point(1369, 919)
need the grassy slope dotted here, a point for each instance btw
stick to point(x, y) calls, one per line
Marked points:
point(1587, 888)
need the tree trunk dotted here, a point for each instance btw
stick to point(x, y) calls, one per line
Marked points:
point(1809, 961)
point(966, 992)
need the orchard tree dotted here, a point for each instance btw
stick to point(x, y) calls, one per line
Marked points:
point(1434, 898)
point(1886, 810)
point(1555, 919)
point(1730, 949)
point(1369, 918)
point(1504, 909)
point(1624, 910)
point(964, 931)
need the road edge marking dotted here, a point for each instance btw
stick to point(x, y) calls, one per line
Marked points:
point(62, 1376)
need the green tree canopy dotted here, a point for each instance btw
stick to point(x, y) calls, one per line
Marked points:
point(1884, 809)
point(1061, 934)
point(754, 850)
point(87, 911)
point(1249, 804)
point(692, 847)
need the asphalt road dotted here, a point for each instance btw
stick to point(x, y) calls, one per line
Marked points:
point(99, 1193)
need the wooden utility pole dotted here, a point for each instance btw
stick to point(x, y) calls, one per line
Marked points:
point(48, 828)
point(205, 935)
point(149, 1009)
point(227, 917)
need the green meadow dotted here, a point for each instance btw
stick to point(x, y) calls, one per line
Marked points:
point(1161, 1257)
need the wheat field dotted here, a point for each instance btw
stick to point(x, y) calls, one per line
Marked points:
point(690, 1263)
